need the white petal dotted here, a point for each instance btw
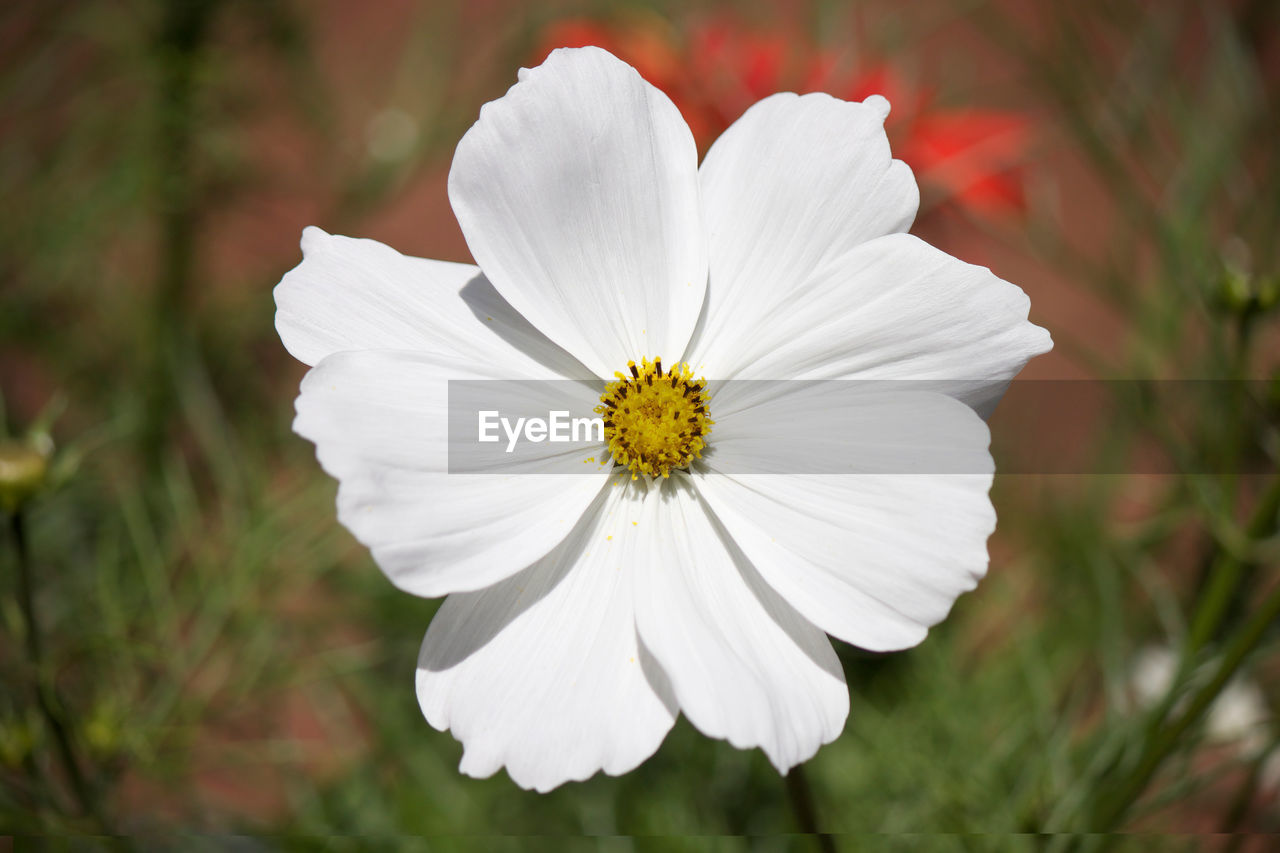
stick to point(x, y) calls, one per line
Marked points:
point(577, 192)
point(897, 308)
point(795, 182)
point(543, 673)
point(351, 294)
point(744, 665)
point(872, 558)
point(843, 427)
point(380, 424)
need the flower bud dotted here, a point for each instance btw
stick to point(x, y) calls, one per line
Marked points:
point(1268, 290)
point(22, 472)
point(16, 741)
point(1235, 290)
point(102, 733)
point(1241, 293)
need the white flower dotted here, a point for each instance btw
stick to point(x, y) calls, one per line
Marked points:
point(585, 611)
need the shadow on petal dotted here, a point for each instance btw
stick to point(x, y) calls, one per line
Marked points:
point(492, 609)
point(657, 676)
point(486, 303)
point(779, 610)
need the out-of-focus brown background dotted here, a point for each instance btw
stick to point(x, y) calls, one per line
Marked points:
point(218, 654)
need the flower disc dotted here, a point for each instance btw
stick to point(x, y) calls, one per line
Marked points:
point(655, 421)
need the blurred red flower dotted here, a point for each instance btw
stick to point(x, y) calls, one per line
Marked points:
point(969, 158)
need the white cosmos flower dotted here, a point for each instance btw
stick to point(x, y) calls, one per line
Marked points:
point(585, 612)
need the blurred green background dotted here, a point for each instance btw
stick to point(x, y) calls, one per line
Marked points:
point(216, 655)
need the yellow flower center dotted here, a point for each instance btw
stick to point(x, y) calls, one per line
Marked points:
point(655, 421)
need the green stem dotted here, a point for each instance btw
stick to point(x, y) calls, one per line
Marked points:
point(1157, 748)
point(1224, 576)
point(1158, 739)
point(801, 796)
point(45, 691)
point(1226, 573)
point(1244, 798)
point(180, 45)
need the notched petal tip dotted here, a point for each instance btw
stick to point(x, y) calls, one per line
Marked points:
point(584, 50)
point(1045, 342)
point(313, 238)
point(878, 103)
point(586, 53)
point(561, 55)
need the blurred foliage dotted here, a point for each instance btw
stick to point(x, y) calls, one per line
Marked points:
point(219, 656)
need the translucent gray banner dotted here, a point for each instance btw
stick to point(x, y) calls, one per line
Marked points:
point(892, 426)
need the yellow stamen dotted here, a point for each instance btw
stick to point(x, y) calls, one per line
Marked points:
point(655, 421)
